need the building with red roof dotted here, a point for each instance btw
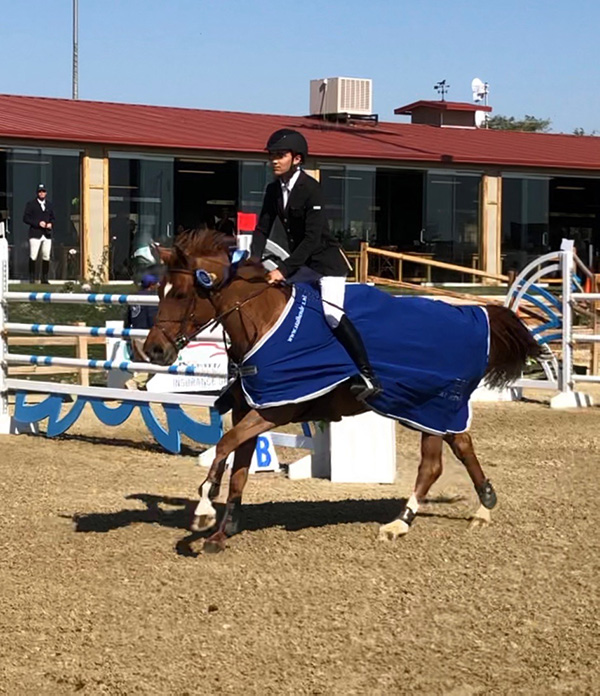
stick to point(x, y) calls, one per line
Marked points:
point(121, 175)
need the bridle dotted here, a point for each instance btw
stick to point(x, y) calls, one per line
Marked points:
point(182, 338)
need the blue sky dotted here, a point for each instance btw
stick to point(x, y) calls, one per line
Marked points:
point(539, 57)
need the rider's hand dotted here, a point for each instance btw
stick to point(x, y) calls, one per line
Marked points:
point(275, 277)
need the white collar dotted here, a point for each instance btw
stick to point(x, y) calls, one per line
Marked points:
point(289, 185)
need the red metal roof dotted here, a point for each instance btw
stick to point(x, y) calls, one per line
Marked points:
point(130, 125)
point(440, 105)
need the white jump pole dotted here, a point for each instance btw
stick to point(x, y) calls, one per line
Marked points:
point(4, 414)
point(568, 397)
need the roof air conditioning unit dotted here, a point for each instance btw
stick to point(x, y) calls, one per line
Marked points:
point(341, 95)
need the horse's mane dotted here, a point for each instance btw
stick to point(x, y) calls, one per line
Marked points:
point(204, 241)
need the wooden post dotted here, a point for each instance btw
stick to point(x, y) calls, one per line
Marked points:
point(400, 274)
point(490, 257)
point(363, 266)
point(81, 351)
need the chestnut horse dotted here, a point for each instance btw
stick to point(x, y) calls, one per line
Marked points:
point(201, 285)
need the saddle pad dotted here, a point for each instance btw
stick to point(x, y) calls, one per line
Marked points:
point(428, 355)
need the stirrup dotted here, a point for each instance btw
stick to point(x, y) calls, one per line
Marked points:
point(363, 387)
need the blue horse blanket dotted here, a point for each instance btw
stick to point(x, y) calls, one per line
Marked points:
point(428, 355)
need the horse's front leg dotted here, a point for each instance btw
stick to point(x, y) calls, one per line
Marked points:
point(205, 514)
point(249, 427)
point(430, 470)
point(230, 523)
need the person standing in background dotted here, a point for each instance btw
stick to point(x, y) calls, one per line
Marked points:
point(39, 215)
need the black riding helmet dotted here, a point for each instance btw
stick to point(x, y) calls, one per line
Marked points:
point(286, 139)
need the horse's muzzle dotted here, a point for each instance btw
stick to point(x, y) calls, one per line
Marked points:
point(158, 350)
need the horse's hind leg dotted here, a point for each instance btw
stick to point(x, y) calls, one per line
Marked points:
point(462, 447)
point(430, 470)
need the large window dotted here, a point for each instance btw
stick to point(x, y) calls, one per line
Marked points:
point(253, 179)
point(525, 216)
point(21, 170)
point(451, 229)
point(349, 193)
point(140, 207)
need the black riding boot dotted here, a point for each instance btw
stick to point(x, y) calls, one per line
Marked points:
point(367, 385)
point(32, 270)
point(45, 269)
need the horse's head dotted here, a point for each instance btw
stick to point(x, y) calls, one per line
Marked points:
point(195, 268)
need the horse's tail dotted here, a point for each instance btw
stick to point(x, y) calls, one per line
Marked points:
point(511, 345)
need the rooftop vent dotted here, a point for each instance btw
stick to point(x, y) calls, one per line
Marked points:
point(350, 97)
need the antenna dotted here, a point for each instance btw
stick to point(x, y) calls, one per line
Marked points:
point(442, 88)
point(480, 90)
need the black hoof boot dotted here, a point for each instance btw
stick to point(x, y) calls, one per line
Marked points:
point(487, 494)
point(233, 524)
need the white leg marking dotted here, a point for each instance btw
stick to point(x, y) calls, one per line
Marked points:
point(413, 503)
point(205, 515)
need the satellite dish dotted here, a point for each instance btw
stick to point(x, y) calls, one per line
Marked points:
point(480, 117)
point(479, 89)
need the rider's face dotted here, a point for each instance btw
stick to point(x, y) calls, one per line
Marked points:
point(283, 162)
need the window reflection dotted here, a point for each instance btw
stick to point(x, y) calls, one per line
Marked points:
point(21, 170)
point(140, 209)
point(452, 203)
point(525, 219)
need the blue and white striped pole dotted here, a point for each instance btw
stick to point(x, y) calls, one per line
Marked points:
point(124, 365)
point(68, 330)
point(82, 298)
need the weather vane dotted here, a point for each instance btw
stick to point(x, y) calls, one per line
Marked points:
point(442, 88)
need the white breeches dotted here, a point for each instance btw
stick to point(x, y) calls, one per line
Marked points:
point(34, 248)
point(333, 289)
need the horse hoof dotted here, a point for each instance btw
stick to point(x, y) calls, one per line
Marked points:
point(201, 523)
point(481, 518)
point(214, 546)
point(393, 530)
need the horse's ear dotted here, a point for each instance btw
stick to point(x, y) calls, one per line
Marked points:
point(165, 255)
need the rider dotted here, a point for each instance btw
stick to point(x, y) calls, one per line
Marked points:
point(296, 199)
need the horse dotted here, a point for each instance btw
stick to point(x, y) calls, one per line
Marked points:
point(203, 284)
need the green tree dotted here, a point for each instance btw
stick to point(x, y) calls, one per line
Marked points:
point(581, 131)
point(531, 124)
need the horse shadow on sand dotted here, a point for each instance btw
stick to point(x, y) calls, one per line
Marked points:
point(293, 516)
